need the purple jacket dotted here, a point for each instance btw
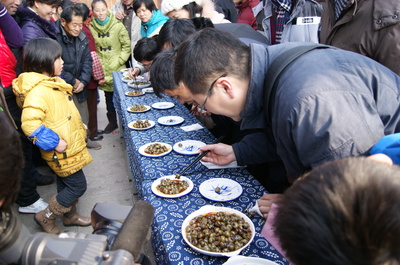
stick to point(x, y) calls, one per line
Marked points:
point(33, 26)
point(11, 31)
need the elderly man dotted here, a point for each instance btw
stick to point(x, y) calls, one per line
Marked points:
point(77, 59)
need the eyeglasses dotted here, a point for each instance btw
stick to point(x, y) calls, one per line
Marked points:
point(203, 106)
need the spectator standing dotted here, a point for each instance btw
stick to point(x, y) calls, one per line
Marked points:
point(51, 120)
point(35, 19)
point(28, 199)
point(113, 47)
point(190, 9)
point(371, 28)
point(151, 17)
point(97, 74)
point(77, 68)
point(288, 20)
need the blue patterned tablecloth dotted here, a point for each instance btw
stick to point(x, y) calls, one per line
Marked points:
point(168, 244)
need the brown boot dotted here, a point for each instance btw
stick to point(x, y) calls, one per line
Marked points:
point(73, 218)
point(112, 122)
point(46, 218)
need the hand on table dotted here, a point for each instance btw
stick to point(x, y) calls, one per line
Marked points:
point(265, 203)
point(62, 146)
point(196, 111)
point(133, 72)
point(220, 154)
point(120, 15)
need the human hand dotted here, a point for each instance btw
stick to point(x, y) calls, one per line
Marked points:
point(120, 15)
point(79, 88)
point(265, 203)
point(102, 82)
point(220, 154)
point(197, 111)
point(381, 158)
point(62, 146)
point(133, 72)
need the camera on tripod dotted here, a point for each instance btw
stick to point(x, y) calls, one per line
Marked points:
point(119, 236)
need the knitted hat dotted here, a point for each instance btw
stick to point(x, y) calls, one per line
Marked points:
point(171, 5)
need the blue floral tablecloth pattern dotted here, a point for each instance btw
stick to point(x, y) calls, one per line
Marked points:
point(168, 244)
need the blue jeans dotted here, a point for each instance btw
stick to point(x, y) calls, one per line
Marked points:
point(70, 188)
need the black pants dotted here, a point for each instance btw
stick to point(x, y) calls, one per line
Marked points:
point(27, 193)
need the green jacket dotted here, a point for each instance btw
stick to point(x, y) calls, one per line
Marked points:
point(113, 47)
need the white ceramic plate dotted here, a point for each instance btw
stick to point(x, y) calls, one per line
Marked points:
point(228, 189)
point(152, 123)
point(128, 93)
point(170, 120)
point(163, 105)
point(143, 147)
point(163, 195)
point(147, 109)
point(188, 147)
point(148, 90)
point(241, 260)
point(125, 70)
point(126, 78)
point(132, 84)
point(212, 209)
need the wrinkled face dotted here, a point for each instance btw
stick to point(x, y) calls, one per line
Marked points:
point(45, 11)
point(58, 66)
point(11, 5)
point(74, 27)
point(143, 13)
point(100, 11)
point(182, 13)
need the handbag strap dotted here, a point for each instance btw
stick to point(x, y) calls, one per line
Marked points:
point(276, 68)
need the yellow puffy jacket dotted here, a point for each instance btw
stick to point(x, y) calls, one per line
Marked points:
point(48, 101)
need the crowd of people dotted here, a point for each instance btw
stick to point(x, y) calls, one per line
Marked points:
point(296, 87)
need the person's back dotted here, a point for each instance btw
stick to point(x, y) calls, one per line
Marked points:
point(345, 212)
point(371, 28)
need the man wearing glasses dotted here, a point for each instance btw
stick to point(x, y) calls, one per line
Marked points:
point(328, 104)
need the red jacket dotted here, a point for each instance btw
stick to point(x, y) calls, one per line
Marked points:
point(8, 63)
point(246, 14)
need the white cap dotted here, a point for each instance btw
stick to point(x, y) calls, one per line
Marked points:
point(171, 5)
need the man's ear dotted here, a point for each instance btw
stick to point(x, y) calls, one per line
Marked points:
point(226, 86)
point(63, 22)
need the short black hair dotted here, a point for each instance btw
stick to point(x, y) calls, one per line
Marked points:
point(54, 3)
point(194, 9)
point(145, 49)
point(85, 10)
point(162, 72)
point(342, 212)
point(202, 22)
point(149, 4)
point(71, 11)
point(174, 32)
point(40, 54)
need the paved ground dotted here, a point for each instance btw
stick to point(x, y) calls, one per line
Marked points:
point(108, 178)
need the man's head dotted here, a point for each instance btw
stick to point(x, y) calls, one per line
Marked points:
point(72, 20)
point(145, 51)
point(343, 212)
point(127, 2)
point(11, 5)
point(174, 32)
point(162, 77)
point(215, 67)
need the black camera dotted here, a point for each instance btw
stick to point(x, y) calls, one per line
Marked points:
point(119, 236)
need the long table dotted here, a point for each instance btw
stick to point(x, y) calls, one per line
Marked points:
point(168, 244)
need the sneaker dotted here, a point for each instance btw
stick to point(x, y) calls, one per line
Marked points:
point(36, 207)
point(93, 145)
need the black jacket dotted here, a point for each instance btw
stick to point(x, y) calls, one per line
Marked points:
point(76, 57)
